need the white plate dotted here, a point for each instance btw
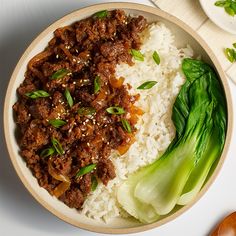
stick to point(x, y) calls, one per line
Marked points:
point(219, 16)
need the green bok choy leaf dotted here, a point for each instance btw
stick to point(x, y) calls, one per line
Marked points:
point(199, 115)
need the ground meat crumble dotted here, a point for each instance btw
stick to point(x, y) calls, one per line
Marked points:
point(82, 57)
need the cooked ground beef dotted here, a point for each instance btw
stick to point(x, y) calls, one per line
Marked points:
point(66, 133)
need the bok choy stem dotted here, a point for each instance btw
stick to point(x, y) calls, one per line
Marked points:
point(199, 116)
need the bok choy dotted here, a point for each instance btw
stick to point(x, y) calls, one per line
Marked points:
point(199, 115)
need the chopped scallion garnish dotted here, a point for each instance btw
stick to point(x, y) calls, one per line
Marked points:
point(94, 183)
point(230, 54)
point(101, 14)
point(137, 55)
point(147, 85)
point(126, 125)
point(115, 110)
point(228, 5)
point(156, 57)
point(68, 97)
point(57, 123)
point(60, 74)
point(47, 152)
point(37, 94)
point(97, 85)
point(57, 146)
point(86, 169)
point(86, 111)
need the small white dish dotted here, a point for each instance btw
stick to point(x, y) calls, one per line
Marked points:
point(219, 16)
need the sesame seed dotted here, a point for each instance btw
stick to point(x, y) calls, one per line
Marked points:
point(74, 60)
point(74, 82)
point(57, 56)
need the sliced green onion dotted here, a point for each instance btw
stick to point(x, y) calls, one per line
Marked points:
point(234, 45)
point(94, 183)
point(68, 97)
point(47, 152)
point(115, 110)
point(230, 11)
point(147, 85)
point(221, 4)
point(85, 170)
point(137, 55)
point(233, 6)
point(230, 54)
point(101, 14)
point(228, 5)
point(97, 85)
point(37, 94)
point(156, 57)
point(86, 111)
point(57, 146)
point(60, 74)
point(57, 123)
point(126, 125)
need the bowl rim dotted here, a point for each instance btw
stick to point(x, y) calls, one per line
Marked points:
point(110, 6)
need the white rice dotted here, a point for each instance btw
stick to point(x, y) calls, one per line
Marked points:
point(155, 129)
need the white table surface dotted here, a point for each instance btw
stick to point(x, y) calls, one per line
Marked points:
point(20, 214)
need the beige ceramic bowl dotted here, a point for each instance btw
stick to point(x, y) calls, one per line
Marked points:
point(183, 35)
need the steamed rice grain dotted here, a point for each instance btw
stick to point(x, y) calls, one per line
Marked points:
point(155, 129)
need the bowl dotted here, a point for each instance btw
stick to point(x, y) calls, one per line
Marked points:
point(183, 35)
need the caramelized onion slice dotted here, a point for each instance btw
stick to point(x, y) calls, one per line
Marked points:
point(62, 187)
point(124, 147)
point(117, 83)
